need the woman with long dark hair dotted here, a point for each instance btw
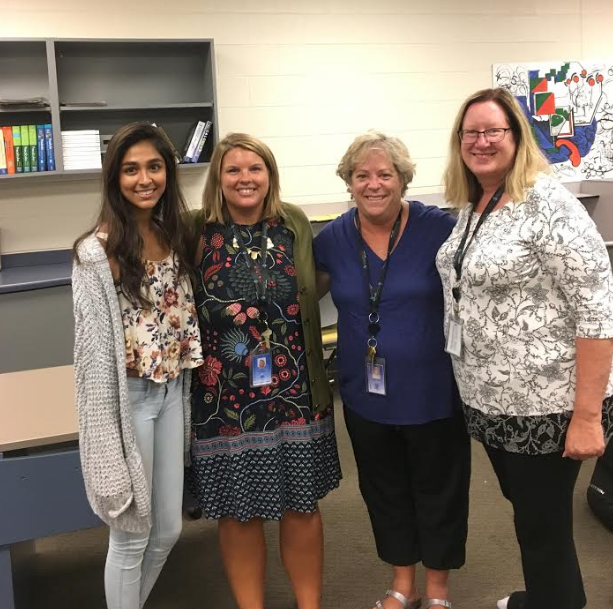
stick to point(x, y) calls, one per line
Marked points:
point(136, 341)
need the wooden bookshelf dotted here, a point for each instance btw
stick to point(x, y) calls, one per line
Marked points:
point(104, 84)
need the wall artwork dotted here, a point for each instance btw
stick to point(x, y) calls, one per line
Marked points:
point(570, 107)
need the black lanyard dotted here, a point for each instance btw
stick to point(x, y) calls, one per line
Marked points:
point(460, 254)
point(374, 294)
point(259, 272)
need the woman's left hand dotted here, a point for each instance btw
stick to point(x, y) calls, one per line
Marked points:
point(585, 438)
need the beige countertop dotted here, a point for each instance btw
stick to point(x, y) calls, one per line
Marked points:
point(37, 408)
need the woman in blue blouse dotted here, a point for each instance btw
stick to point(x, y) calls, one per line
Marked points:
point(396, 381)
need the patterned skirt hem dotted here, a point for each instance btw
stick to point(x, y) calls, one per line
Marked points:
point(266, 515)
point(263, 475)
point(528, 435)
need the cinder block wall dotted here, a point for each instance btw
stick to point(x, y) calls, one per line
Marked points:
point(307, 76)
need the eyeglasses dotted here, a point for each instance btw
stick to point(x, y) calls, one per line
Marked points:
point(470, 136)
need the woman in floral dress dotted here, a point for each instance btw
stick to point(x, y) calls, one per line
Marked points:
point(263, 443)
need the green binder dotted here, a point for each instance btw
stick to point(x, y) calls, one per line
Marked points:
point(33, 148)
point(25, 147)
point(18, 149)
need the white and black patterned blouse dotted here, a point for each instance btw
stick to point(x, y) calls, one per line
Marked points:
point(536, 277)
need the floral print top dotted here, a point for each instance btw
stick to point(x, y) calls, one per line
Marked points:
point(162, 341)
point(536, 277)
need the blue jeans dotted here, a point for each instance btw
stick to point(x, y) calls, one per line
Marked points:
point(135, 560)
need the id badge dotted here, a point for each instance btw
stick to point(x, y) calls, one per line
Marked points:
point(375, 376)
point(453, 346)
point(260, 369)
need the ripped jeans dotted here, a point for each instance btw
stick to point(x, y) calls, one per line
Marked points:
point(135, 560)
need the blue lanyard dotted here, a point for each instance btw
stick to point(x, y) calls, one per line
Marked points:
point(374, 294)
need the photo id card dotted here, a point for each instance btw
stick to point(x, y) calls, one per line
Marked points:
point(453, 346)
point(260, 369)
point(375, 375)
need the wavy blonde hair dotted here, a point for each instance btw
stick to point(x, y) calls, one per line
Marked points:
point(213, 201)
point(392, 146)
point(462, 186)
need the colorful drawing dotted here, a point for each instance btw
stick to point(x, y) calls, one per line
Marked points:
point(570, 107)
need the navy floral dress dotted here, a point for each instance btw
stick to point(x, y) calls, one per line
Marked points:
point(256, 451)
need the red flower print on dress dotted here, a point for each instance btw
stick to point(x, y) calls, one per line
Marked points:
point(293, 309)
point(299, 421)
point(211, 271)
point(252, 313)
point(280, 360)
point(284, 374)
point(229, 430)
point(290, 269)
point(234, 308)
point(254, 332)
point(265, 390)
point(217, 240)
point(209, 371)
point(240, 319)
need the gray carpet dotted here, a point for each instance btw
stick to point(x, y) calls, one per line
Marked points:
point(66, 571)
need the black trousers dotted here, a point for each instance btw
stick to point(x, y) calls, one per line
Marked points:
point(415, 480)
point(540, 489)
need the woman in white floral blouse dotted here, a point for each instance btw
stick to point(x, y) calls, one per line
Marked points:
point(529, 322)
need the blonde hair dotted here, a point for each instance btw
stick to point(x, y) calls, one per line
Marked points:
point(461, 184)
point(213, 201)
point(392, 146)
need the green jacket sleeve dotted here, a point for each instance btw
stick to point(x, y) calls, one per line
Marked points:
point(298, 223)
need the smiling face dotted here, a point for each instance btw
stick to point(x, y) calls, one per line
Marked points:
point(376, 188)
point(244, 184)
point(490, 162)
point(142, 177)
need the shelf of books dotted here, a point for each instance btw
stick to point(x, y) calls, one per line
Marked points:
point(62, 100)
point(26, 149)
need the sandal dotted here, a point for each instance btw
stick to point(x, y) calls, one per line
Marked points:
point(431, 602)
point(402, 599)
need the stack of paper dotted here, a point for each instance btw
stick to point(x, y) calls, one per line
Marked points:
point(81, 149)
point(24, 102)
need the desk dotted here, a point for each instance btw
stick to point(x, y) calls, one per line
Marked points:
point(41, 486)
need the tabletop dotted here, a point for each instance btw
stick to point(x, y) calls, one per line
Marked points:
point(37, 408)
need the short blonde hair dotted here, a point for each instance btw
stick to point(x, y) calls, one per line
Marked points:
point(392, 146)
point(462, 186)
point(213, 201)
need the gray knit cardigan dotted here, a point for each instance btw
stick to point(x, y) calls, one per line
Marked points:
point(113, 471)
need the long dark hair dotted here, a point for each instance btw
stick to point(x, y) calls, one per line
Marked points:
point(124, 243)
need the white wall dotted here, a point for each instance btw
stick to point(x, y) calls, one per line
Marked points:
point(307, 76)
